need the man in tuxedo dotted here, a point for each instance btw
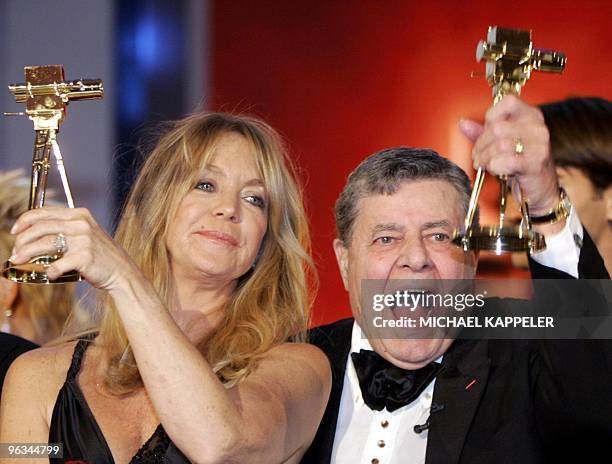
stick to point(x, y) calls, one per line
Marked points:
point(464, 401)
point(11, 346)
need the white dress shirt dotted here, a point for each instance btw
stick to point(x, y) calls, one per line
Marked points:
point(563, 249)
point(365, 436)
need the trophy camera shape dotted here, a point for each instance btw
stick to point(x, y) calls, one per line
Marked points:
point(510, 58)
point(46, 96)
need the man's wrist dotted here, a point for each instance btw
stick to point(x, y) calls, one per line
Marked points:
point(557, 213)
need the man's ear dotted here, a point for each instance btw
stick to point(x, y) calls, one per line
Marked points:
point(8, 293)
point(342, 260)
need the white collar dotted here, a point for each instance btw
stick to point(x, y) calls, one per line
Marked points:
point(358, 342)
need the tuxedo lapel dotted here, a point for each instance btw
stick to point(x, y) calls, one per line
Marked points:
point(459, 387)
point(335, 341)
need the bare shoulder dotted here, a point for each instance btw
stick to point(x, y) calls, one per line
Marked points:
point(29, 393)
point(286, 396)
point(41, 372)
point(302, 369)
point(49, 361)
point(302, 355)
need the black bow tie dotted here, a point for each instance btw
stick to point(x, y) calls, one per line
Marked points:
point(385, 385)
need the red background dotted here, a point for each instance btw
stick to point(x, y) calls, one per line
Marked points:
point(343, 79)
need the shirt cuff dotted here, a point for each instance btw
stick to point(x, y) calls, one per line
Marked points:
point(563, 249)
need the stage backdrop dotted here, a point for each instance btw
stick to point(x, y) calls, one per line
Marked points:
point(342, 79)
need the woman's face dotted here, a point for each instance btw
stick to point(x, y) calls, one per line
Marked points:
point(219, 225)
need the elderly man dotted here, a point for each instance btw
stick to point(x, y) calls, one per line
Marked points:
point(467, 401)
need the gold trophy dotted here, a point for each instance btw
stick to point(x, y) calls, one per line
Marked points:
point(46, 96)
point(510, 58)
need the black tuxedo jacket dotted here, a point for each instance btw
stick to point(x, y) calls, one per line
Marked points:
point(534, 401)
point(11, 346)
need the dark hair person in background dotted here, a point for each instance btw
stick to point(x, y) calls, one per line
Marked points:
point(581, 144)
point(205, 283)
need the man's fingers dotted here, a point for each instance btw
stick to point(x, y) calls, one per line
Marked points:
point(508, 165)
point(511, 108)
point(471, 129)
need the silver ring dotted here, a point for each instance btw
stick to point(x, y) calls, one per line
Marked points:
point(60, 244)
point(519, 148)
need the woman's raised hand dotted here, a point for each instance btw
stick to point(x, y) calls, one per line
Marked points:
point(87, 247)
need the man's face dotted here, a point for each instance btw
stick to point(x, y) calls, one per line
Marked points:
point(406, 235)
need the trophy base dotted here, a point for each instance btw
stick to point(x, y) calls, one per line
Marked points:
point(35, 272)
point(499, 240)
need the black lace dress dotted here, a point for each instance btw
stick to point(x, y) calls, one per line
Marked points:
point(74, 425)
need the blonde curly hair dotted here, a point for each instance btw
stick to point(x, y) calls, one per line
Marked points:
point(272, 301)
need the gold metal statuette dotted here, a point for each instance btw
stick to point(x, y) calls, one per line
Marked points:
point(510, 58)
point(46, 96)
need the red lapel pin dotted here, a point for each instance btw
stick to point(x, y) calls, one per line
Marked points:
point(469, 385)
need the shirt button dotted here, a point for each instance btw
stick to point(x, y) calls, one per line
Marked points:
point(384, 424)
point(374, 461)
point(381, 443)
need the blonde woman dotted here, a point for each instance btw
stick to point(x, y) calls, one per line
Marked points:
point(33, 312)
point(206, 281)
